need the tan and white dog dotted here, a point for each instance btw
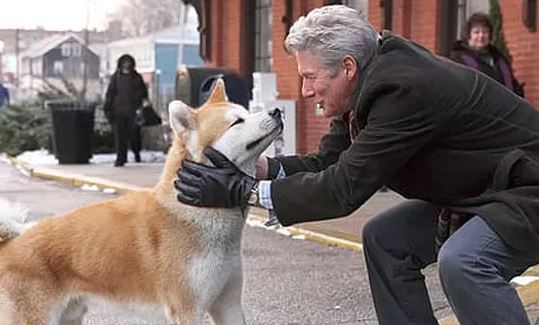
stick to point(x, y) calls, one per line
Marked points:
point(144, 248)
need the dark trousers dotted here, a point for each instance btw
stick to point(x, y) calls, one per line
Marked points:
point(475, 267)
point(126, 132)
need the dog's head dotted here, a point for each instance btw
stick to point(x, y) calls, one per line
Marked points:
point(225, 126)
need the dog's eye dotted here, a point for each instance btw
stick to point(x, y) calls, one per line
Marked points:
point(238, 121)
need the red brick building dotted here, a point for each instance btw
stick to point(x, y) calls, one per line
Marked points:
point(248, 35)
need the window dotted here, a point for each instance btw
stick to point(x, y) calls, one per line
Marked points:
point(76, 49)
point(263, 41)
point(58, 68)
point(66, 49)
point(191, 56)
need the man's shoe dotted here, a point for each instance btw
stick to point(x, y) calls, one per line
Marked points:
point(119, 164)
point(137, 157)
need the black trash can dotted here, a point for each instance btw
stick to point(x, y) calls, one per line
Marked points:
point(72, 130)
point(189, 81)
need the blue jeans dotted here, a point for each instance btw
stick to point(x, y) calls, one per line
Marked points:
point(475, 267)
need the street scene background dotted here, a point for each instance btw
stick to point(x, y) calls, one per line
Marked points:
point(58, 58)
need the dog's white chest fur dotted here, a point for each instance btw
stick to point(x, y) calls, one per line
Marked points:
point(219, 258)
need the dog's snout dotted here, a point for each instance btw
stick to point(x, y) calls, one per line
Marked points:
point(275, 113)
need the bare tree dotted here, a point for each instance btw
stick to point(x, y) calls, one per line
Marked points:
point(140, 17)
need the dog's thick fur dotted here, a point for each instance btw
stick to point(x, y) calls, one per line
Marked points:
point(145, 247)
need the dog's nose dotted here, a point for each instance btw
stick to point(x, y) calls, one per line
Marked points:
point(275, 113)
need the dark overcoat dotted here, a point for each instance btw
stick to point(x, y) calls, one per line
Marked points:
point(430, 129)
point(125, 92)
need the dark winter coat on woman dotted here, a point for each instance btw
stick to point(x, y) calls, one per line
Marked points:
point(491, 62)
point(125, 92)
point(430, 129)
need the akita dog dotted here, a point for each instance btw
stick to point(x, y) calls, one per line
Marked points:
point(145, 247)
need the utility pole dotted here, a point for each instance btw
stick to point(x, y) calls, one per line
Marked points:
point(18, 59)
point(1, 66)
point(85, 54)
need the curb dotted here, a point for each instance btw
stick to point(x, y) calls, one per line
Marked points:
point(75, 180)
point(299, 233)
point(254, 220)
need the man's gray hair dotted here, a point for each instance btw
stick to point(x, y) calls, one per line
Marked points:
point(331, 33)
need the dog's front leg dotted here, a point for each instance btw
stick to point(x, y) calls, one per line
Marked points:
point(227, 309)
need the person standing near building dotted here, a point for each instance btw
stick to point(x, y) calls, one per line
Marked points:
point(443, 136)
point(477, 52)
point(125, 95)
point(4, 96)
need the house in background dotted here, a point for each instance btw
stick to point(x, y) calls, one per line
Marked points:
point(57, 58)
point(247, 36)
point(16, 41)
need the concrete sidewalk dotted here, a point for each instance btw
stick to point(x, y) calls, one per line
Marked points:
point(343, 232)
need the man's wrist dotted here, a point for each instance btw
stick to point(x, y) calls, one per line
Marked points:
point(253, 195)
point(264, 195)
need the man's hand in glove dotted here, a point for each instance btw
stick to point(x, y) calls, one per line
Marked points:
point(222, 186)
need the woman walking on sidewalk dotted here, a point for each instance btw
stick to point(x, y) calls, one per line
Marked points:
point(124, 97)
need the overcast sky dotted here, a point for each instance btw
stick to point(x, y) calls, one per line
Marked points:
point(56, 14)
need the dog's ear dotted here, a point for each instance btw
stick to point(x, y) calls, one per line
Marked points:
point(181, 116)
point(218, 95)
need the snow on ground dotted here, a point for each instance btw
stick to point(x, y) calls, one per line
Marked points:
point(43, 157)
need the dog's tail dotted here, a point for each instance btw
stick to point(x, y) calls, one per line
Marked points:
point(12, 220)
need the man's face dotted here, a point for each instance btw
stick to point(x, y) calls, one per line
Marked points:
point(332, 92)
point(479, 37)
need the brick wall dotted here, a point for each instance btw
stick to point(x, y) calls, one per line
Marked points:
point(412, 19)
point(524, 48)
point(226, 36)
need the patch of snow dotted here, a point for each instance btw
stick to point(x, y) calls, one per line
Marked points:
point(23, 171)
point(91, 188)
point(3, 158)
point(43, 157)
point(13, 216)
point(37, 157)
point(284, 232)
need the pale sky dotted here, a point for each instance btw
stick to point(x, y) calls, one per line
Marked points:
point(56, 14)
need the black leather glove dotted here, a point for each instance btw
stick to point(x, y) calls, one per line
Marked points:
point(222, 186)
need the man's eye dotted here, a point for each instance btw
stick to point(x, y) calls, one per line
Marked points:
point(238, 121)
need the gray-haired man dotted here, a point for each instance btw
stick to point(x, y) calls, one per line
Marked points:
point(439, 134)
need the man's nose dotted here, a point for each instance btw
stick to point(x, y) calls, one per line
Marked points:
point(275, 113)
point(306, 90)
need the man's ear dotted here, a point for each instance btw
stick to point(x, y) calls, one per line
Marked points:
point(350, 67)
point(181, 117)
